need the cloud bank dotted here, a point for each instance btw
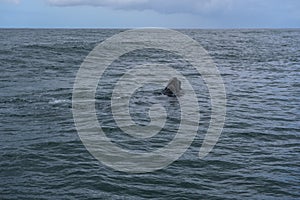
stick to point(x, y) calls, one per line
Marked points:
point(161, 6)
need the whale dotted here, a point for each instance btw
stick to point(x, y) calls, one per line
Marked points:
point(173, 87)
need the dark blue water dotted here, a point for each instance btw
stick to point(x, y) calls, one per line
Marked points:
point(256, 157)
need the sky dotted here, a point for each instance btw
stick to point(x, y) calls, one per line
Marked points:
point(150, 13)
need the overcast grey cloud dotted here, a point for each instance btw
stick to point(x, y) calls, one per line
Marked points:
point(274, 11)
point(141, 13)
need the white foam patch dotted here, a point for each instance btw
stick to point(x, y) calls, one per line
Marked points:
point(59, 101)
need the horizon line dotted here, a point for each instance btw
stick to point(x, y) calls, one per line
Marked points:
point(190, 28)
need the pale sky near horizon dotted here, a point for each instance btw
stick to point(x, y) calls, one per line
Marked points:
point(149, 13)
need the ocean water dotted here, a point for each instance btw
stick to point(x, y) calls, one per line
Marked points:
point(257, 155)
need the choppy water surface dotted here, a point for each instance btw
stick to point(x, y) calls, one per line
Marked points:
point(256, 157)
